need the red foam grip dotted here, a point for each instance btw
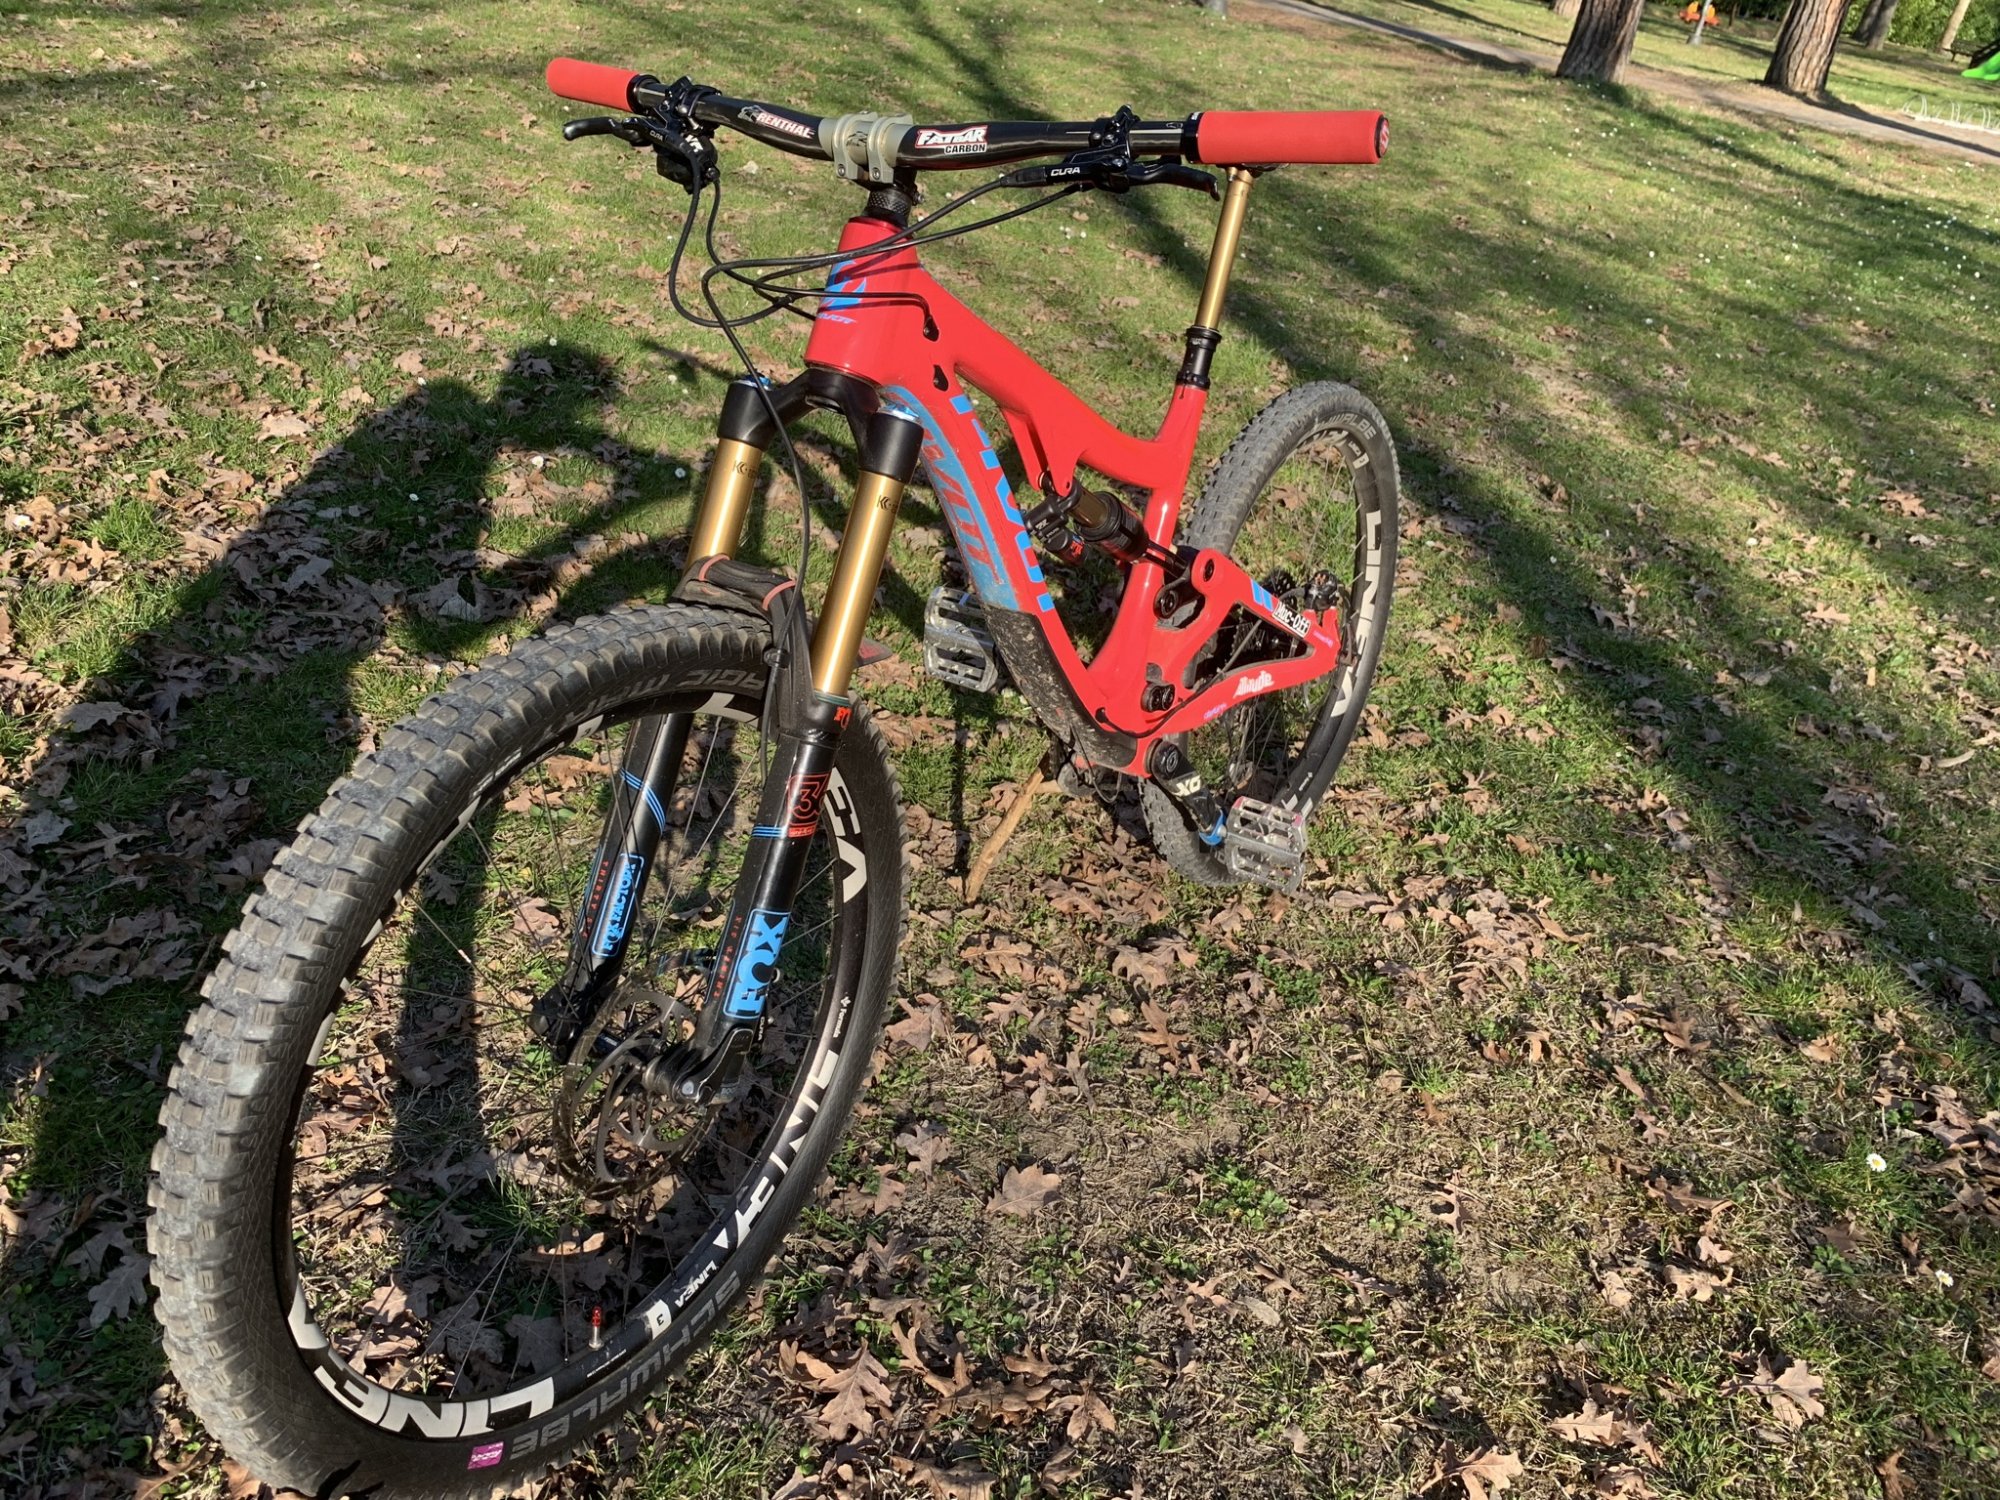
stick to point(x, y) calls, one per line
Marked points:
point(591, 83)
point(1267, 137)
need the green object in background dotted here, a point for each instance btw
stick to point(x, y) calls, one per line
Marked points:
point(1986, 72)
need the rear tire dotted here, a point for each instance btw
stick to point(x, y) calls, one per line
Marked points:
point(234, 1252)
point(1308, 487)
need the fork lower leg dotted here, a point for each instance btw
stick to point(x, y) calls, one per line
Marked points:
point(649, 771)
point(788, 811)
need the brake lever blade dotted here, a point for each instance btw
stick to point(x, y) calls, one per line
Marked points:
point(1193, 177)
point(1175, 174)
point(632, 130)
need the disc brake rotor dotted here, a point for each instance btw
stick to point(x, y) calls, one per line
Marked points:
point(615, 1136)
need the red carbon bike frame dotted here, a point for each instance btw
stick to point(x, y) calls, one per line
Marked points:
point(919, 346)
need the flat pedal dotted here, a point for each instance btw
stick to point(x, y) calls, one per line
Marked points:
point(958, 650)
point(1265, 844)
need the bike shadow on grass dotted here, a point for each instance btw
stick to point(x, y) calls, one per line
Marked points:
point(369, 576)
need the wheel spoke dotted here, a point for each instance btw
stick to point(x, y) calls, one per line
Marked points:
point(436, 1071)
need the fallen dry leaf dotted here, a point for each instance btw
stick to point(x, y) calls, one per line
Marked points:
point(1152, 966)
point(1694, 1285)
point(1896, 1484)
point(1590, 1426)
point(1792, 1395)
point(1607, 1429)
point(855, 1390)
point(1159, 1032)
point(1682, 1196)
point(1023, 1191)
point(928, 1145)
point(283, 424)
point(121, 1291)
point(1483, 1472)
point(957, 1483)
point(1823, 1049)
point(1087, 1413)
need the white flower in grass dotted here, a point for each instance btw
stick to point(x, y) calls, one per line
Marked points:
point(1876, 1162)
point(1943, 1277)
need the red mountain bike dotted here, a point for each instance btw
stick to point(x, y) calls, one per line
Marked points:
point(541, 1034)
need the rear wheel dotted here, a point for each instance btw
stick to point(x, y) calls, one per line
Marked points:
point(1305, 501)
point(407, 1247)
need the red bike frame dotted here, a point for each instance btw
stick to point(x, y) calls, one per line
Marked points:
point(923, 367)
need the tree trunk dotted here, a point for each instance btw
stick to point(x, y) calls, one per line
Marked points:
point(1804, 55)
point(1600, 44)
point(1567, 9)
point(1875, 23)
point(1216, 8)
point(1951, 27)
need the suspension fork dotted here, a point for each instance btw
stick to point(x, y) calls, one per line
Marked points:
point(813, 715)
point(649, 772)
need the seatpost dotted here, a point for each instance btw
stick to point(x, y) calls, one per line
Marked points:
point(1206, 333)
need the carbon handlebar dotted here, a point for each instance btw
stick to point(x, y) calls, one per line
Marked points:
point(875, 145)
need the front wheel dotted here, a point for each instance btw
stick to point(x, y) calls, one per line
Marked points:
point(1305, 501)
point(407, 1241)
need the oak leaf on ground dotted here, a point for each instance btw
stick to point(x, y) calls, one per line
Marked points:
point(1792, 1394)
point(121, 1291)
point(856, 1389)
point(1025, 1190)
point(1482, 1472)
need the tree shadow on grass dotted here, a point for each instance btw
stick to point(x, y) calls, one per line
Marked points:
point(1758, 737)
point(360, 583)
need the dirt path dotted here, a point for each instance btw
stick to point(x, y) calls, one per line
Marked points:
point(1743, 99)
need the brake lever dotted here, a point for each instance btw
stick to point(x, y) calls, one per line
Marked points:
point(1173, 174)
point(631, 131)
point(686, 157)
point(1114, 174)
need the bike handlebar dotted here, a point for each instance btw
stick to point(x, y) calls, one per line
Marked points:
point(1214, 138)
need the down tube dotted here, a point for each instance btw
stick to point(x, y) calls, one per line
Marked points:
point(1000, 558)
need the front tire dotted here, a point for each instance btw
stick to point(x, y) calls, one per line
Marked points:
point(375, 1274)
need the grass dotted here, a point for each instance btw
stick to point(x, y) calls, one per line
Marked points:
point(1683, 758)
point(1737, 52)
